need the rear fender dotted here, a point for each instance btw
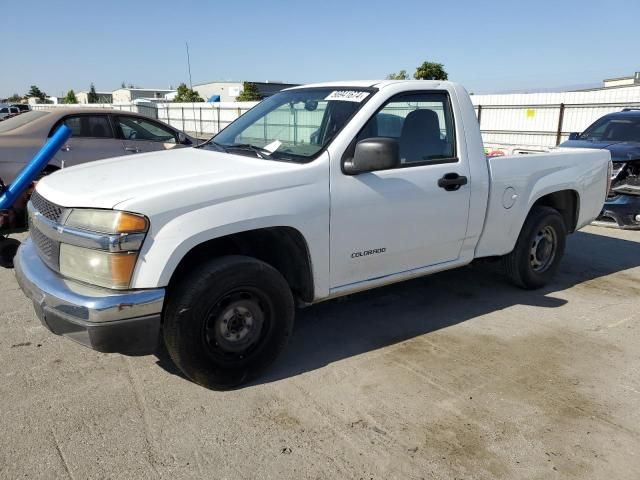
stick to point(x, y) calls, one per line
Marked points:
point(513, 193)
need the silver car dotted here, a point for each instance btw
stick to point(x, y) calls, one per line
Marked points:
point(95, 134)
point(8, 111)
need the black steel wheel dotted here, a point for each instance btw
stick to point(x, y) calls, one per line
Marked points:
point(539, 249)
point(234, 326)
point(8, 249)
point(227, 321)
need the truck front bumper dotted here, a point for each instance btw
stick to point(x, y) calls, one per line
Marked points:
point(104, 320)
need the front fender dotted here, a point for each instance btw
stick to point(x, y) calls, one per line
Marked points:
point(167, 244)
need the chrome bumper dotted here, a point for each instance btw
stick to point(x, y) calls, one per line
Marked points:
point(105, 320)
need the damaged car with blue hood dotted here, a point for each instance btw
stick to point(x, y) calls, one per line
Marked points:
point(619, 133)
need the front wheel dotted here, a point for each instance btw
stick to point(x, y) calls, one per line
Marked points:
point(227, 321)
point(539, 249)
point(8, 250)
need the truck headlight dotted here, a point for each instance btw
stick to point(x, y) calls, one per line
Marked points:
point(107, 253)
point(97, 267)
point(106, 221)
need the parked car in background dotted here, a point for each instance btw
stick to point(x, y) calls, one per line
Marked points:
point(23, 107)
point(8, 111)
point(620, 134)
point(96, 134)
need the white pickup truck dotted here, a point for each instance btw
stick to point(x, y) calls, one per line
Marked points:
point(317, 192)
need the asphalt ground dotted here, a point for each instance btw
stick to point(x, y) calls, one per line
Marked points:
point(454, 376)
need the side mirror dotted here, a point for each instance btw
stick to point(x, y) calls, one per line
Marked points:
point(183, 139)
point(371, 154)
point(574, 136)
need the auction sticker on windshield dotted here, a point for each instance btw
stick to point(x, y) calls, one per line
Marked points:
point(347, 95)
point(273, 146)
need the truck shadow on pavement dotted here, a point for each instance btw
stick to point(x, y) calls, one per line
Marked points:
point(342, 328)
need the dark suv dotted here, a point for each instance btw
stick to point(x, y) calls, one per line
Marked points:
point(620, 134)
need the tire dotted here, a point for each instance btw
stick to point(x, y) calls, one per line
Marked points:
point(539, 249)
point(227, 321)
point(8, 250)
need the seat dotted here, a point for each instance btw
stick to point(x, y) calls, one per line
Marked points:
point(420, 137)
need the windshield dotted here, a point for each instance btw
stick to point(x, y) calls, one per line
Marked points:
point(615, 129)
point(22, 119)
point(292, 125)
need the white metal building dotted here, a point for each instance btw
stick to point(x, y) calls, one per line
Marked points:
point(127, 95)
point(103, 97)
point(228, 91)
point(622, 81)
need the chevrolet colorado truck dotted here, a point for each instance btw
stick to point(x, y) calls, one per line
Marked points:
point(317, 192)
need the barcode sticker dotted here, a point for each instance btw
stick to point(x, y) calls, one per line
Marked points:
point(347, 95)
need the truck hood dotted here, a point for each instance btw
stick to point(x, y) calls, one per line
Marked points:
point(141, 178)
point(620, 151)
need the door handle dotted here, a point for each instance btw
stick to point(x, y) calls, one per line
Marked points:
point(66, 148)
point(452, 181)
point(131, 149)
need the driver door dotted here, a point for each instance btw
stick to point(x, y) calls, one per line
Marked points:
point(394, 221)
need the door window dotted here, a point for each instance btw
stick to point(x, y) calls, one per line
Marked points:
point(88, 126)
point(134, 128)
point(422, 123)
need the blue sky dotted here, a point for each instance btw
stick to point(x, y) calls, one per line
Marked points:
point(487, 46)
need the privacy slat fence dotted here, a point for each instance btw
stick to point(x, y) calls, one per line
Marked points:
point(512, 122)
point(538, 121)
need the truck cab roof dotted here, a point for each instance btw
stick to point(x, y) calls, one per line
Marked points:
point(371, 84)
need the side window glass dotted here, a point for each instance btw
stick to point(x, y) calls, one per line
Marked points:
point(422, 123)
point(73, 123)
point(88, 126)
point(134, 128)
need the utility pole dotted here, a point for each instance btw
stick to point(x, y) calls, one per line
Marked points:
point(189, 66)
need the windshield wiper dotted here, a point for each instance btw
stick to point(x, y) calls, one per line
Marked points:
point(259, 151)
point(209, 143)
point(262, 153)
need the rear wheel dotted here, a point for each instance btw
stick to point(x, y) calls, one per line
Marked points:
point(539, 249)
point(228, 320)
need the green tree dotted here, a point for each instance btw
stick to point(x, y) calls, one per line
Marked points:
point(123, 85)
point(430, 71)
point(401, 75)
point(35, 92)
point(186, 95)
point(249, 93)
point(70, 98)
point(92, 96)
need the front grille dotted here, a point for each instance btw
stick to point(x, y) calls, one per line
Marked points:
point(45, 207)
point(48, 249)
